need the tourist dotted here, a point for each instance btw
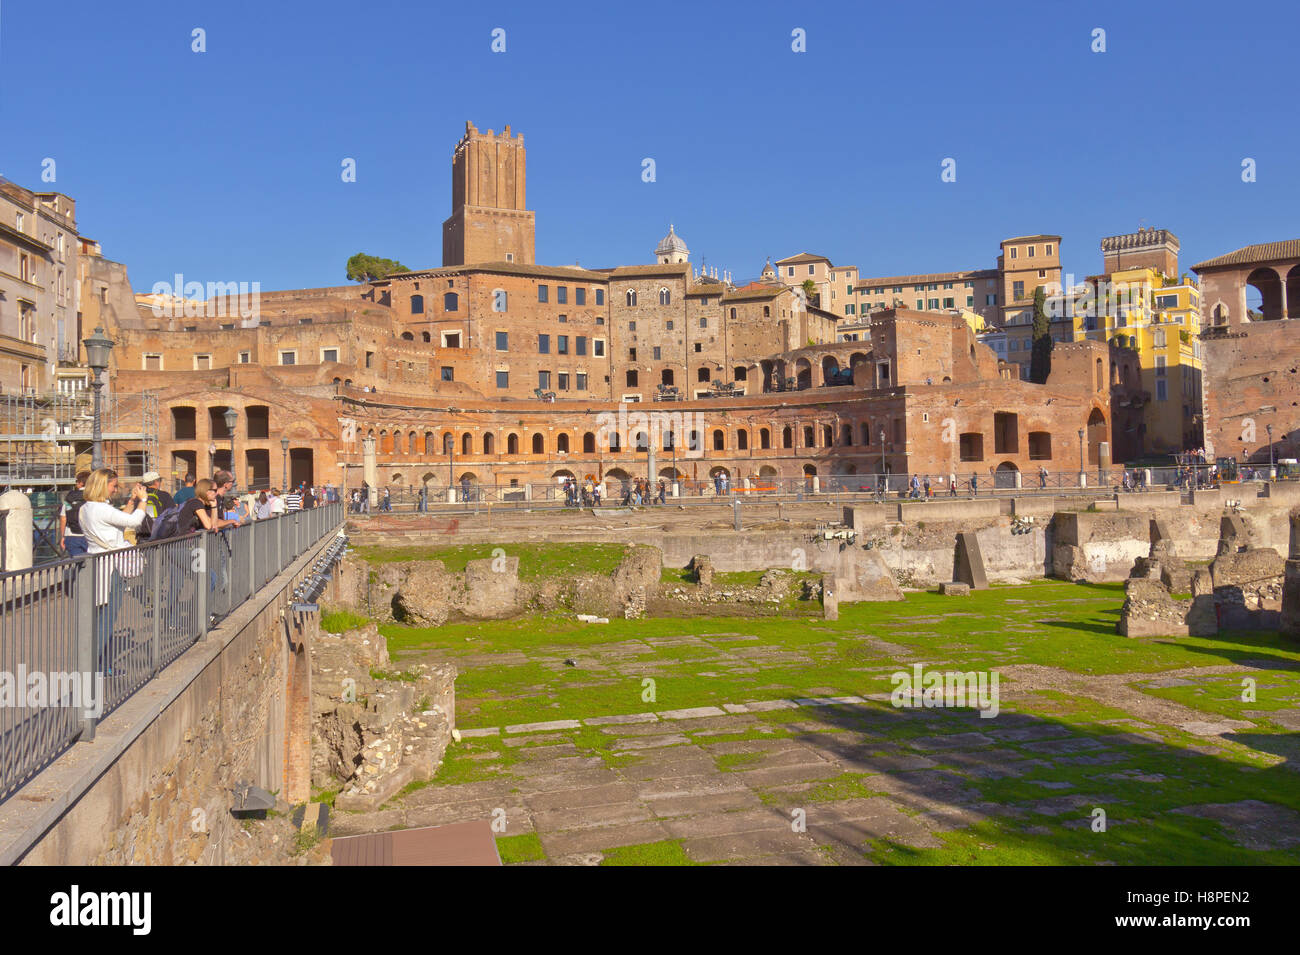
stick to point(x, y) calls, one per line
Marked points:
point(74, 541)
point(262, 510)
point(663, 492)
point(158, 499)
point(387, 503)
point(974, 484)
point(423, 505)
point(103, 524)
point(952, 483)
point(926, 483)
point(276, 502)
point(1042, 476)
point(186, 492)
point(464, 487)
point(293, 500)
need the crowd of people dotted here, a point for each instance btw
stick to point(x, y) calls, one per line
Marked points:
point(98, 517)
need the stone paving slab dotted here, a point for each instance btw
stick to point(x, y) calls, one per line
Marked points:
point(649, 742)
point(747, 846)
point(588, 817)
point(481, 731)
point(666, 805)
point(603, 837)
point(543, 727)
point(615, 720)
point(602, 795)
point(691, 713)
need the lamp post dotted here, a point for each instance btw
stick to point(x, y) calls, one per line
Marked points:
point(98, 347)
point(284, 463)
point(1271, 472)
point(232, 419)
point(1081, 457)
point(882, 452)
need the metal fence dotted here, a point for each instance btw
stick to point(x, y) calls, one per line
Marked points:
point(615, 488)
point(78, 636)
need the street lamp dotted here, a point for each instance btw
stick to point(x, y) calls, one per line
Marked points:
point(1080, 457)
point(232, 418)
point(284, 463)
point(1271, 471)
point(882, 452)
point(98, 347)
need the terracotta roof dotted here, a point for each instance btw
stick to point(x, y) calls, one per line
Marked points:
point(803, 257)
point(1265, 252)
point(624, 271)
point(510, 268)
point(929, 278)
point(754, 292)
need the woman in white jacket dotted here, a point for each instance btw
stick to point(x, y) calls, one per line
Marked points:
point(103, 525)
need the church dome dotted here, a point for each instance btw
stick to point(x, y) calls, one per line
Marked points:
point(671, 248)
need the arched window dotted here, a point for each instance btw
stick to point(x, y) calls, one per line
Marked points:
point(764, 438)
point(588, 443)
point(809, 437)
point(741, 373)
point(562, 443)
point(487, 443)
point(767, 311)
point(631, 296)
point(742, 440)
point(417, 304)
point(667, 376)
point(846, 435)
point(642, 441)
point(665, 297)
point(719, 441)
point(828, 436)
point(413, 444)
point(425, 337)
point(408, 337)
point(615, 442)
point(450, 302)
point(733, 314)
point(539, 444)
point(787, 438)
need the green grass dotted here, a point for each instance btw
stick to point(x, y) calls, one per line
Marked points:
point(526, 847)
point(535, 560)
point(340, 621)
point(666, 852)
point(517, 675)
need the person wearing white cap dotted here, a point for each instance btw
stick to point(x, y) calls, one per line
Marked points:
point(159, 500)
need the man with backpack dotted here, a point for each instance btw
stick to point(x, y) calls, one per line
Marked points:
point(74, 540)
point(158, 499)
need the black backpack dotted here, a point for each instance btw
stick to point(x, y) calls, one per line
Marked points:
point(167, 524)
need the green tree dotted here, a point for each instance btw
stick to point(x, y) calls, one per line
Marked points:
point(371, 268)
point(1040, 362)
point(810, 291)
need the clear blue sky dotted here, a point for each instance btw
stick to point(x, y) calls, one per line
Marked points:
point(225, 165)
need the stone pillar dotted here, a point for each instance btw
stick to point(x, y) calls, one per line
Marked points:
point(1290, 586)
point(1019, 480)
point(1282, 282)
point(528, 491)
point(816, 485)
point(650, 464)
point(677, 489)
point(370, 469)
point(17, 530)
point(1083, 479)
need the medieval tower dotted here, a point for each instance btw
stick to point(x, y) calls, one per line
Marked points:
point(489, 221)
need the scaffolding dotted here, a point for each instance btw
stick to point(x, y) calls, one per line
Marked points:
point(46, 439)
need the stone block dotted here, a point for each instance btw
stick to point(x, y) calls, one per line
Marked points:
point(954, 589)
point(968, 565)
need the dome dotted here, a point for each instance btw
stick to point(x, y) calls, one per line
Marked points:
point(671, 248)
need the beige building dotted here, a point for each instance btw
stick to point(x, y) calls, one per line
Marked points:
point(39, 292)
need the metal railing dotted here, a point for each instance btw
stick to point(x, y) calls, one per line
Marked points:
point(80, 635)
point(850, 487)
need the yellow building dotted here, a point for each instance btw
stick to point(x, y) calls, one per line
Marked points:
point(1158, 316)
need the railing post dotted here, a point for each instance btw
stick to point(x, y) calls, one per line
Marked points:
point(154, 556)
point(205, 581)
point(87, 569)
point(252, 558)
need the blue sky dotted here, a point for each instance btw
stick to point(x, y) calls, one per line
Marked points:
point(225, 165)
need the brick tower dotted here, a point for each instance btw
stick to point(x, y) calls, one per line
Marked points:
point(488, 221)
